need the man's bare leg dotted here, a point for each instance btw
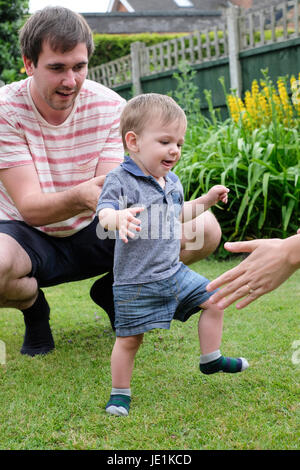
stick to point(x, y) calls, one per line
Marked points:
point(200, 238)
point(18, 290)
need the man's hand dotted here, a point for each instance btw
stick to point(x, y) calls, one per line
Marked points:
point(88, 192)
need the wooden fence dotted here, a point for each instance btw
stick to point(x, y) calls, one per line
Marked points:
point(241, 31)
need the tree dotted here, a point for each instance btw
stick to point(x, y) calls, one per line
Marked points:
point(12, 14)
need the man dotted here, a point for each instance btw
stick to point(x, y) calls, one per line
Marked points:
point(59, 137)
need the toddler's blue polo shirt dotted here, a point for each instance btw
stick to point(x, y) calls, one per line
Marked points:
point(153, 254)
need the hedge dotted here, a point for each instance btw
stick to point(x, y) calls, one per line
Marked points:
point(113, 46)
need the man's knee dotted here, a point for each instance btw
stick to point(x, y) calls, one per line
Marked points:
point(15, 264)
point(202, 238)
point(6, 277)
point(212, 233)
point(14, 260)
point(6, 271)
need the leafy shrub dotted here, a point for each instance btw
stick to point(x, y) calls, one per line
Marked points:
point(109, 47)
point(256, 156)
point(12, 13)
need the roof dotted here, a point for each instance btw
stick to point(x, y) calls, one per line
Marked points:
point(166, 5)
point(173, 5)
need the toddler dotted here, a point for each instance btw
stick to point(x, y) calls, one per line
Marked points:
point(142, 202)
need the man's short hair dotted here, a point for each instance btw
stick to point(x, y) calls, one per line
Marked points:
point(144, 108)
point(61, 27)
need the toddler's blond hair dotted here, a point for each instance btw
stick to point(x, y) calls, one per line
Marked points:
point(142, 109)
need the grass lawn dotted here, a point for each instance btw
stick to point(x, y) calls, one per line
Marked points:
point(57, 401)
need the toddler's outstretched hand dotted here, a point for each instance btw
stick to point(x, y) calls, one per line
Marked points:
point(127, 223)
point(218, 193)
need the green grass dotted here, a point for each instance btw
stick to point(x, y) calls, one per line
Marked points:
point(57, 401)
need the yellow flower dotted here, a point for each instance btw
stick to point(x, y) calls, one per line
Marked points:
point(255, 89)
point(278, 108)
point(284, 98)
point(236, 107)
point(251, 110)
point(263, 103)
point(264, 110)
point(295, 87)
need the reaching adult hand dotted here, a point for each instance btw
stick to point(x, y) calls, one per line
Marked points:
point(270, 263)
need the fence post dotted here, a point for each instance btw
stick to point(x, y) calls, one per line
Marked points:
point(135, 51)
point(234, 48)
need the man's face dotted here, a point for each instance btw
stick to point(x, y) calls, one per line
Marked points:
point(57, 80)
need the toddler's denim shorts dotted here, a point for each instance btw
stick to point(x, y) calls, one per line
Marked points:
point(143, 307)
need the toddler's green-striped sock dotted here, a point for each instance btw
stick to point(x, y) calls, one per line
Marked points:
point(215, 362)
point(119, 402)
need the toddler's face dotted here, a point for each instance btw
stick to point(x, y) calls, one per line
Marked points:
point(159, 147)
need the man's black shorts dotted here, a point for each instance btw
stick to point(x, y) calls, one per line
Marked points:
point(56, 260)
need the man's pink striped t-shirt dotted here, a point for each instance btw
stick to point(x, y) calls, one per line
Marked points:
point(63, 155)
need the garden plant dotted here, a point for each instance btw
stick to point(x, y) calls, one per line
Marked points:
point(12, 14)
point(255, 153)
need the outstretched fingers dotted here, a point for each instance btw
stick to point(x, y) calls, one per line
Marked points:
point(129, 224)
